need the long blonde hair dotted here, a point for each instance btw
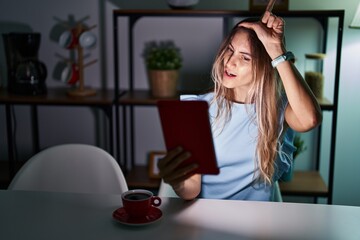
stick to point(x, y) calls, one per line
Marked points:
point(264, 93)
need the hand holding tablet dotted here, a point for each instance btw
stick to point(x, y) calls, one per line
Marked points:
point(186, 124)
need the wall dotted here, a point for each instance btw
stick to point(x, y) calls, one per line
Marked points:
point(346, 160)
point(76, 124)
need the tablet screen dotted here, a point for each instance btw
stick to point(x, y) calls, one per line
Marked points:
point(186, 124)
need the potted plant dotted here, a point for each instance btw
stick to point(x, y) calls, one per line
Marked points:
point(300, 146)
point(163, 61)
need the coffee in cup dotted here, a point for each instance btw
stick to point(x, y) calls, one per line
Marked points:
point(138, 202)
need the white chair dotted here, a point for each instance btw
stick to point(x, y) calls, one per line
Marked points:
point(77, 168)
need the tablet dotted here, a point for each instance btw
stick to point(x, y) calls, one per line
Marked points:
point(186, 124)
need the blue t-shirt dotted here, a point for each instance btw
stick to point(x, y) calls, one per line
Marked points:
point(235, 146)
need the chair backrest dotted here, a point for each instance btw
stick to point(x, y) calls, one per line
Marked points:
point(77, 168)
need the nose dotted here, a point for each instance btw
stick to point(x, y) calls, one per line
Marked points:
point(231, 61)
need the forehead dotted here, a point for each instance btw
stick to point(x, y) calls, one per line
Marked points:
point(241, 39)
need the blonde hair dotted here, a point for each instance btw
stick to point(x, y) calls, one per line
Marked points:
point(264, 93)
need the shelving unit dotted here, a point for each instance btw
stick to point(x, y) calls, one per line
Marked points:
point(54, 97)
point(307, 183)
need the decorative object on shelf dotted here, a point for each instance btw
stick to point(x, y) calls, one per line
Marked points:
point(300, 147)
point(154, 157)
point(26, 74)
point(181, 4)
point(313, 73)
point(163, 61)
point(260, 5)
point(76, 38)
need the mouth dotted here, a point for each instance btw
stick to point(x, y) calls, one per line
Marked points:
point(229, 74)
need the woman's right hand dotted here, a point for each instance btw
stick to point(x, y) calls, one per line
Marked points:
point(171, 170)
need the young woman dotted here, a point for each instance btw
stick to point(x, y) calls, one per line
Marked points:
point(259, 99)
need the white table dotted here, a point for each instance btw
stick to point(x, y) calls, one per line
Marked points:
point(41, 215)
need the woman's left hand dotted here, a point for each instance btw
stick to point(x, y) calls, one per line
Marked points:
point(270, 31)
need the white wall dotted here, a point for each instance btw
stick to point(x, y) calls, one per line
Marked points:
point(64, 124)
point(346, 189)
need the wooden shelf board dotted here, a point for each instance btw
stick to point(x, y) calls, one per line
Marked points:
point(143, 97)
point(325, 103)
point(138, 177)
point(305, 183)
point(140, 97)
point(221, 13)
point(58, 96)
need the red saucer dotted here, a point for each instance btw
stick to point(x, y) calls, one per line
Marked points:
point(123, 217)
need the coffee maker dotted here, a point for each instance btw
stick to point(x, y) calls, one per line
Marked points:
point(26, 74)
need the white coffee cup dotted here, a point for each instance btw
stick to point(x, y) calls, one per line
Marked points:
point(87, 39)
point(68, 39)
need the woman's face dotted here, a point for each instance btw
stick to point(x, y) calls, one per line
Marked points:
point(238, 65)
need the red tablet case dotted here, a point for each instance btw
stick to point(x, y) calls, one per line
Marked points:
point(186, 124)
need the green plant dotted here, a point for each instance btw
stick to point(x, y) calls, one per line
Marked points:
point(300, 146)
point(163, 55)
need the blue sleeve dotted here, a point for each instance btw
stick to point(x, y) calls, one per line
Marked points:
point(189, 97)
point(286, 147)
point(284, 161)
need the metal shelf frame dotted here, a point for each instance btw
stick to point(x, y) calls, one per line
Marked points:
point(132, 99)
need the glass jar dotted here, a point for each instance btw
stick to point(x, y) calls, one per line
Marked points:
point(313, 73)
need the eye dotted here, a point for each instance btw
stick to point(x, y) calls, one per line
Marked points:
point(246, 58)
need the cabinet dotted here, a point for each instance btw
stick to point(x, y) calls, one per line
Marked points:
point(304, 183)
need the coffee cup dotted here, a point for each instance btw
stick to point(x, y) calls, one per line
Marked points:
point(138, 202)
point(87, 39)
point(70, 74)
point(69, 39)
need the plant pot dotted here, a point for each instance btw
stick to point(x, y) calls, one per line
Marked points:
point(163, 83)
